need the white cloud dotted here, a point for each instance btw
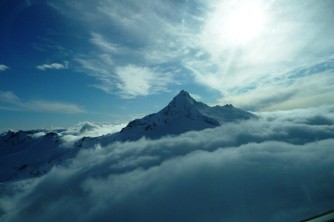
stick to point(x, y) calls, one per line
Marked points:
point(55, 66)
point(3, 67)
point(37, 105)
point(140, 81)
point(256, 170)
point(134, 80)
point(128, 81)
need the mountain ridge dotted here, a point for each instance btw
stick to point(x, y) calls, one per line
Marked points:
point(182, 114)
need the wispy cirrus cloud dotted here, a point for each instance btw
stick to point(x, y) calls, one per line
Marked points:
point(3, 67)
point(128, 81)
point(56, 66)
point(99, 41)
point(8, 97)
point(140, 42)
point(101, 69)
point(9, 101)
point(51, 106)
point(289, 93)
point(194, 36)
point(295, 37)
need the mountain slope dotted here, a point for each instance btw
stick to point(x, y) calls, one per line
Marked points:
point(26, 154)
point(181, 115)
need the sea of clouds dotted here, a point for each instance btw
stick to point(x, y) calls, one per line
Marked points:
point(279, 167)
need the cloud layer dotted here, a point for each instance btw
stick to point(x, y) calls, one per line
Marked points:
point(277, 168)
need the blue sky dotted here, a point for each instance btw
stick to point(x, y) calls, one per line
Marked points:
point(63, 62)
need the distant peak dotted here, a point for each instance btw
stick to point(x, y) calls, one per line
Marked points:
point(228, 106)
point(181, 101)
point(183, 93)
point(184, 96)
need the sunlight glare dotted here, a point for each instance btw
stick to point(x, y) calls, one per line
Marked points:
point(245, 23)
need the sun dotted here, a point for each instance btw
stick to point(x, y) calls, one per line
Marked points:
point(232, 25)
point(244, 23)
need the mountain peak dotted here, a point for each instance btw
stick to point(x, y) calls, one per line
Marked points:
point(182, 98)
point(183, 93)
point(182, 103)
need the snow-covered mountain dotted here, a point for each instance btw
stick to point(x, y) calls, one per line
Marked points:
point(25, 154)
point(31, 153)
point(182, 114)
